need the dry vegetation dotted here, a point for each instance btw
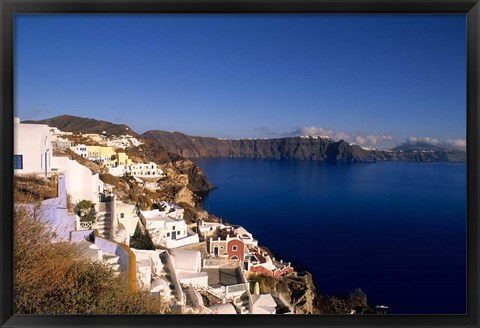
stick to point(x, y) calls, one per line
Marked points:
point(53, 278)
point(32, 189)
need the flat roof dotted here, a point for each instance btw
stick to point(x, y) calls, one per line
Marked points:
point(218, 277)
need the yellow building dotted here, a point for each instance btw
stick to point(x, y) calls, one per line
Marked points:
point(105, 155)
point(122, 159)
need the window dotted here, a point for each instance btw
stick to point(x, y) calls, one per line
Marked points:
point(168, 234)
point(234, 248)
point(122, 215)
point(173, 228)
point(234, 258)
point(18, 162)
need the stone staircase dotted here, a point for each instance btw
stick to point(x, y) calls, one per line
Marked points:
point(103, 222)
point(113, 261)
point(242, 304)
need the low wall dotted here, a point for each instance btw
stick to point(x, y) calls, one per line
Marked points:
point(199, 279)
point(127, 258)
point(218, 263)
point(173, 275)
point(196, 297)
point(58, 219)
point(182, 242)
point(80, 235)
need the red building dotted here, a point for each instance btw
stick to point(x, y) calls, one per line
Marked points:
point(235, 249)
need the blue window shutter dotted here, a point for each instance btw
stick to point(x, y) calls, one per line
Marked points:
point(18, 162)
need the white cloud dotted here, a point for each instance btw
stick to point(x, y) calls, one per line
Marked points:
point(378, 140)
point(427, 140)
point(449, 143)
point(373, 139)
point(456, 143)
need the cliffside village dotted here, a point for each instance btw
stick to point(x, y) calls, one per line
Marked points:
point(201, 266)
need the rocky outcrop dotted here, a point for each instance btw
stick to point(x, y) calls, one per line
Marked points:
point(343, 152)
point(301, 293)
point(354, 303)
point(173, 164)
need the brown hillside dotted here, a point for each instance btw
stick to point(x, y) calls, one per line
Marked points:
point(69, 123)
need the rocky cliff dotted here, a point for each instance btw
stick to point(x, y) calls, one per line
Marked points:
point(301, 148)
point(301, 293)
point(421, 155)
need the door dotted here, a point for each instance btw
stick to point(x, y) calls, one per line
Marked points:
point(46, 168)
point(174, 235)
point(215, 250)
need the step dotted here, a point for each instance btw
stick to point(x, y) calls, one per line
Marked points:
point(104, 226)
point(115, 267)
point(111, 258)
point(103, 220)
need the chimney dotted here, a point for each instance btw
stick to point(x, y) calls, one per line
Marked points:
point(256, 290)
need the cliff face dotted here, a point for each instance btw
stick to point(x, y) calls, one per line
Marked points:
point(206, 147)
point(421, 155)
point(301, 148)
point(342, 151)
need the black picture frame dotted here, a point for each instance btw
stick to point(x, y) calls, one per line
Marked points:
point(8, 8)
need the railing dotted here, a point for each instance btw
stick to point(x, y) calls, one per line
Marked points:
point(86, 225)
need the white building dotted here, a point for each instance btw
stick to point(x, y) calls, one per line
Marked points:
point(118, 171)
point(54, 212)
point(145, 170)
point(263, 304)
point(80, 150)
point(149, 268)
point(61, 144)
point(168, 230)
point(225, 308)
point(80, 181)
point(188, 268)
point(127, 216)
point(32, 148)
point(171, 209)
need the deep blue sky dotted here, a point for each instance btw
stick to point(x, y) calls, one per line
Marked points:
point(348, 76)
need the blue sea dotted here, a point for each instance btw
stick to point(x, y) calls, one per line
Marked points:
point(396, 230)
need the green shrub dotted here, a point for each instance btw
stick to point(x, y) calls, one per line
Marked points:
point(84, 204)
